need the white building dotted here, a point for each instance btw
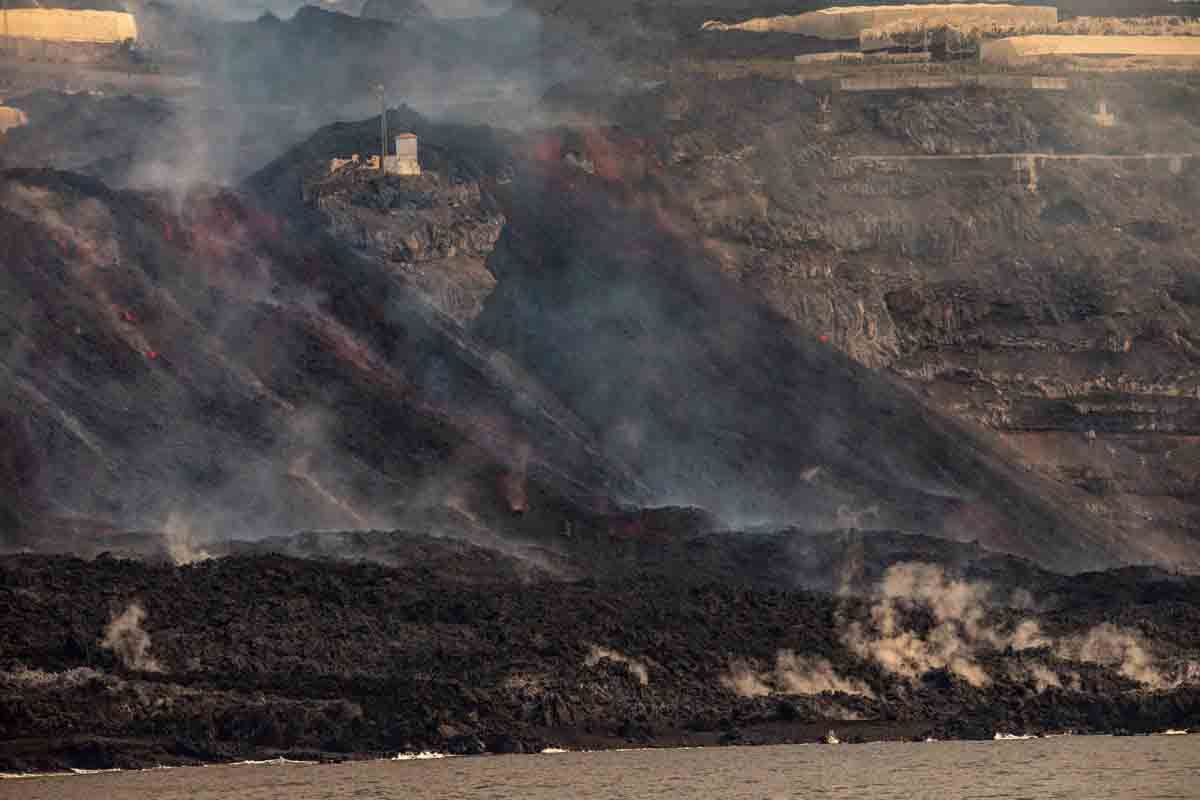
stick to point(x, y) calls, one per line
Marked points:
point(404, 162)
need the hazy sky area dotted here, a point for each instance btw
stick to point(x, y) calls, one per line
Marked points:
point(252, 9)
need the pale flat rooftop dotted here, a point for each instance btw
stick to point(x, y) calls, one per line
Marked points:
point(1018, 49)
point(925, 8)
point(848, 22)
point(69, 25)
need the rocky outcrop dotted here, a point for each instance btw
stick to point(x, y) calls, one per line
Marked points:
point(435, 230)
point(437, 236)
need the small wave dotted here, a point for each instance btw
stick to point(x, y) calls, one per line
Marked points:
point(550, 751)
point(1009, 737)
point(270, 762)
point(424, 755)
point(78, 771)
point(1174, 732)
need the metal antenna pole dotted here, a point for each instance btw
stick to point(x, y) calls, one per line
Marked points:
point(382, 126)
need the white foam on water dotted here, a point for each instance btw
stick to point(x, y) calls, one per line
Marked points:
point(424, 755)
point(549, 751)
point(1009, 737)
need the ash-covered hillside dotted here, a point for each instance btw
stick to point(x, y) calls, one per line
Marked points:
point(748, 357)
point(220, 369)
point(612, 286)
point(1058, 320)
point(245, 376)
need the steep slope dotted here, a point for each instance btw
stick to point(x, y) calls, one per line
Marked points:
point(218, 369)
point(608, 294)
point(1061, 319)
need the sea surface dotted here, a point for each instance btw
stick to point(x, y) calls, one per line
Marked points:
point(1092, 767)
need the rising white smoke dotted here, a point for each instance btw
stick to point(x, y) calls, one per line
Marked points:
point(181, 544)
point(597, 654)
point(793, 674)
point(1115, 647)
point(958, 608)
point(961, 633)
point(125, 637)
point(1042, 677)
point(801, 675)
point(744, 681)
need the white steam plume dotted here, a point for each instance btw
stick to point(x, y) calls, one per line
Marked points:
point(181, 546)
point(793, 674)
point(1112, 646)
point(1042, 677)
point(800, 675)
point(958, 608)
point(961, 633)
point(597, 654)
point(125, 637)
point(744, 681)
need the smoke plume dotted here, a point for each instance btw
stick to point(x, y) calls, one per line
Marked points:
point(744, 681)
point(1112, 646)
point(597, 654)
point(793, 674)
point(960, 631)
point(125, 637)
point(181, 546)
point(800, 675)
point(960, 634)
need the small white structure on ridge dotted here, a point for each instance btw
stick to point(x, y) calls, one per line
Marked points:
point(405, 161)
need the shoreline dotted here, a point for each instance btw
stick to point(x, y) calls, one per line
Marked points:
point(312, 759)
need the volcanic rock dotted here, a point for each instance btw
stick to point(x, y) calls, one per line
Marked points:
point(717, 400)
point(244, 375)
point(268, 655)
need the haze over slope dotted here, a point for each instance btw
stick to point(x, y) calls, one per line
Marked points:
point(677, 293)
point(222, 366)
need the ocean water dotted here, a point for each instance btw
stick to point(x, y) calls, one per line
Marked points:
point(1092, 767)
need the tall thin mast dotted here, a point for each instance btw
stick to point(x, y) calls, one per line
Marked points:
point(382, 125)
